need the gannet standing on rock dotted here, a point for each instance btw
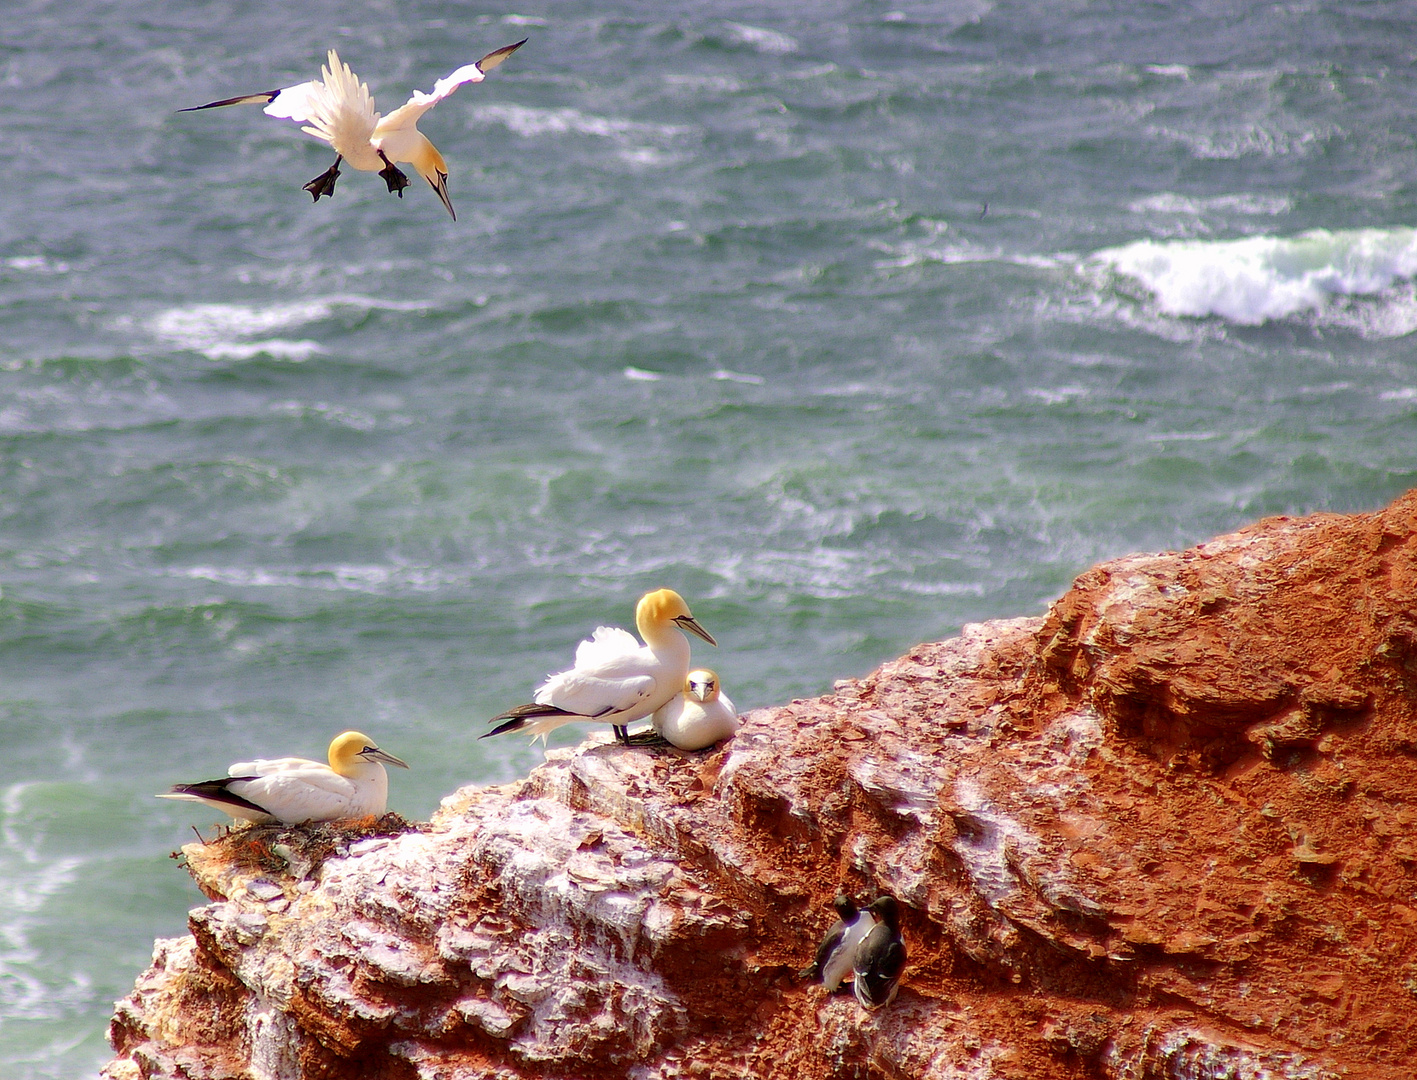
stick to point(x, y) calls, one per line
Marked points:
point(291, 790)
point(338, 109)
point(699, 717)
point(880, 958)
point(837, 952)
point(616, 680)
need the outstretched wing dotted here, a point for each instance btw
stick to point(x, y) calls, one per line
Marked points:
point(291, 103)
point(407, 115)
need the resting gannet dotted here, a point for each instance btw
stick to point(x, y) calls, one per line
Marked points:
point(880, 958)
point(290, 790)
point(616, 680)
point(837, 952)
point(698, 717)
point(339, 110)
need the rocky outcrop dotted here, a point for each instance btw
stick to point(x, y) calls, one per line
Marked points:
point(1165, 831)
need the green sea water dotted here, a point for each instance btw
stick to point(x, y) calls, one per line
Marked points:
point(852, 322)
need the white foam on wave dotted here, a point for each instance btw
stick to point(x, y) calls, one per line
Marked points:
point(28, 879)
point(225, 331)
point(772, 42)
point(1248, 203)
point(530, 122)
point(1359, 279)
point(368, 578)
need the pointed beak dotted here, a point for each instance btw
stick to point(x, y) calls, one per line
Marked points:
point(439, 183)
point(688, 622)
point(387, 758)
point(698, 691)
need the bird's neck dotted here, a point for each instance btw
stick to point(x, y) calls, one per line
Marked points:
point(667, 641)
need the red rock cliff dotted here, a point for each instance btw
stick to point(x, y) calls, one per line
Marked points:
point(1165, 831)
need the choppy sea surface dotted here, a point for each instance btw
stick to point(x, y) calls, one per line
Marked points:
point(851, 321)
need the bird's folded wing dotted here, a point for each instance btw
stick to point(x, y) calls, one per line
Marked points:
point(608, 651)
point(263, 766)
point(590, 695)
point(298, 794)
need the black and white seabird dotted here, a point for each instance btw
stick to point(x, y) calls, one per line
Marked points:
point(880, 958)
point(837, 951)
point(338, 109)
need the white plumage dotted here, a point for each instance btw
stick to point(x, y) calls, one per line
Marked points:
point(290, 790)
point(338, 109)
point(615, 680)
point(700, 716)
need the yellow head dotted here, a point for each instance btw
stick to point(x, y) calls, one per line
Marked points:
point(702, 685)
point(662, 608)
point(352, 748)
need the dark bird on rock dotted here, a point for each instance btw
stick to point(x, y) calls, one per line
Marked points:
point(880, 958)
point(837, 951)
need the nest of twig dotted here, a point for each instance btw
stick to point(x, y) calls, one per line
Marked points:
point(298, 850)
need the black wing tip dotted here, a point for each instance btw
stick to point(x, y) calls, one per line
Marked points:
point(218, 791)
point(241, 99)
point(517, 718)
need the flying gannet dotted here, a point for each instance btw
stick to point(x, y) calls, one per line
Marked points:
point(698, 717)
point(339, 110)
point(616, 680)
point(880, 958)
point(290, 790)
point(837, 952)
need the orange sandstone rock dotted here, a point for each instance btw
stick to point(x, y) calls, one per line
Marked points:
point(1165, 831)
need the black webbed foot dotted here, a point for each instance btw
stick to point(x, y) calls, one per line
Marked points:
point(393, 176)
point(324, 184)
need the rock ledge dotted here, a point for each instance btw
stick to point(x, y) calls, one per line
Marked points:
point(1164, 831)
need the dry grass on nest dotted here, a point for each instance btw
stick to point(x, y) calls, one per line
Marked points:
point(276, 849)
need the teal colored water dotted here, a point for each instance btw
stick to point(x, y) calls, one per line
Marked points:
point(724, 310)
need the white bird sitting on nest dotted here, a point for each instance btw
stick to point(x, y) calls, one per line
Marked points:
point(616, 680)
point(339, 110)
point(291, 790)
point(699, 717)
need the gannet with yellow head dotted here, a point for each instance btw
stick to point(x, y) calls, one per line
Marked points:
point(616, 680)
point(291, 790)
point(699, 717)
point(338, 109)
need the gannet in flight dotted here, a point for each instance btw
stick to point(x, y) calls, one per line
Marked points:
point(291, 790)
point(837, 953)
point(880, 958)
point(616, 680)
point(698, 717)
point(339, 110)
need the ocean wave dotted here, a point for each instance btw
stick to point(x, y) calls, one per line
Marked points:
point(529, 122)
point(760, 39)
point(223, 331)
point(1358, 279)
point(1182, 205)
point(28, 880)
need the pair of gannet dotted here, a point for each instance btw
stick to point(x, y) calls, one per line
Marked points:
point(867, 945)
point(338, 109)
point(617, 681)
point(291, 790)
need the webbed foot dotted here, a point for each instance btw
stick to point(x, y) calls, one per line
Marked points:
point(324, 184)
point(394, 177)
